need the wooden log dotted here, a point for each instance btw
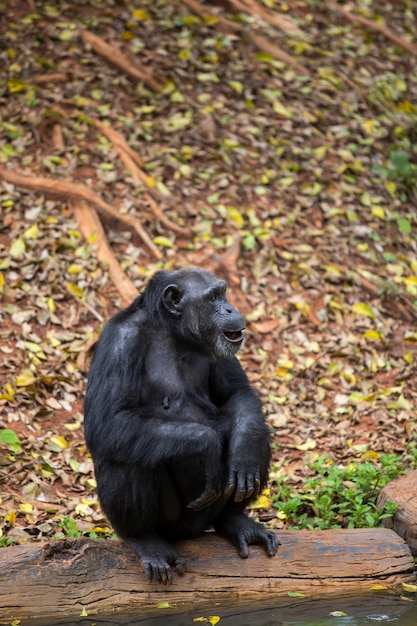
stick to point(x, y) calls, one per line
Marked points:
point(61, 578)
point(402, 491)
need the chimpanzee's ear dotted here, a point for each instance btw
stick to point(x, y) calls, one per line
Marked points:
point(172, 298)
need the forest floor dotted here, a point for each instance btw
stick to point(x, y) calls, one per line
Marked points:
point(295, 180)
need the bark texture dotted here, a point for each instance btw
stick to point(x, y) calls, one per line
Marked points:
point(64, 578)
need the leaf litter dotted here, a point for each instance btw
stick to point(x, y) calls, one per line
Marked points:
point(293, 179)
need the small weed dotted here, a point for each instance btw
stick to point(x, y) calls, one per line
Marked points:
point(340, 496)
point(401, 171)
point(5, 542)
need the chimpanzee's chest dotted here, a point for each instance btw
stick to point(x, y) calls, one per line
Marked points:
point(177, 382)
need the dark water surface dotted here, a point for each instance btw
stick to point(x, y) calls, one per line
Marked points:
point(372, 609)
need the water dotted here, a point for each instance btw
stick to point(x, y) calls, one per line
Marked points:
point(372, 609)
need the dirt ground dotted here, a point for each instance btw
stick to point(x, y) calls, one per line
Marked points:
point(295, 180)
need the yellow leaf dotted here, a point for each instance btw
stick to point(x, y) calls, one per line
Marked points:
point(18, 248)
point(163, 605)
point(84, 612)
point(214, 619)
point(262, 503)
point(373, 335)
point(408, 358)
point(74, 290)
point(25, 379)
point(60, 442)
point(32, 347)
point(310, 444)
point(410, 588)
point(400, 403)
point(73, 426)
point(26, 507)
point(1, 282)
point(32, 232)
point(281, 110)
point(285, 362)
point(391, 187)
point(8, 393)
point(361, 308)
point(141, 14)
point(163, 241)
point(369, 125)
point(10, 518)
point(236, 216)
point(75, 268)
point(378, 211)
point(338, 614)
point(15, 85)
point(51, 306)
point(83, 510)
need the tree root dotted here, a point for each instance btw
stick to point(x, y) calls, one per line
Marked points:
point(134, 163)
point(258, 41)
point(77, 191)
point(272, 17)
point(113, 56)
point(379, 28)
point(90, 224)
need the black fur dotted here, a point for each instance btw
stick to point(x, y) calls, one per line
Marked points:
point(176, 432)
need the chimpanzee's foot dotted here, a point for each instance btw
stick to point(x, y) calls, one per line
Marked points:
point(243, 531)
point(157, 556)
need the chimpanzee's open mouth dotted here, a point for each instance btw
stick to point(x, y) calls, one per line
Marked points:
point(233, 336)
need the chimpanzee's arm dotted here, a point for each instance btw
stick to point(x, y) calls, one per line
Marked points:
point(245, 429)
point(117, 425)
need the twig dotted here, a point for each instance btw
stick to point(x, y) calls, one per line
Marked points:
point(57, 137)
point(113, 56)
point(78, 191)
point(43, 79)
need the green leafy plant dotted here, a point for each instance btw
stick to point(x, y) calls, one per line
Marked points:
point(9, 438)
point(70, 529)
point(337, 496)
point(401, 171)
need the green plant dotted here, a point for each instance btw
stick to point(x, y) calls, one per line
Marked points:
point(400, 170)
point(70, 528)
point(5, 542)
point(9, 438)
point(336, 496)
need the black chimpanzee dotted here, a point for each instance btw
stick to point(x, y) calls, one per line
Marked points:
point(176, 433)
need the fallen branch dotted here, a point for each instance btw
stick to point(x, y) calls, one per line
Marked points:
point(379, 28)
point(90, 224)
point(257, 40)
point(133, 163)
point(77, 191)
point(95, 576)
point(113, 56)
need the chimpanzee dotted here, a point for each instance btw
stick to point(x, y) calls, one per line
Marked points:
point(176, 432)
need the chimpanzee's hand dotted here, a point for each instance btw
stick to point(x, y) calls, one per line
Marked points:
point(212, 489)
point(244, 481)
